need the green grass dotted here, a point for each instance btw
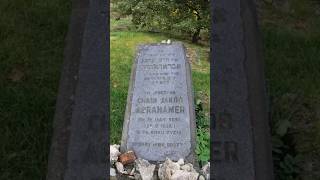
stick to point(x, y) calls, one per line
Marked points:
point(122, 53)
point(293, 71)
point(292, 50)
point(32, 37)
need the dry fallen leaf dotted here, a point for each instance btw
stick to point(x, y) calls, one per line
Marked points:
point(16, 74)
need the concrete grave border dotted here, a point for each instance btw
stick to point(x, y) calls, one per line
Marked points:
point(79, 147)
point(238, 102)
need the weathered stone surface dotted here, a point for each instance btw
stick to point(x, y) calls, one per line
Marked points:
point(183, 175)
point(241, 145)
point(159, 120)
point(170, 170)
point(180, 162)
point(114, 153)
point(80, 137)
point(145, 168)
point(187, 167)
point(167, 169)
point(206, 170)
point(120, 168)
point(112, 172)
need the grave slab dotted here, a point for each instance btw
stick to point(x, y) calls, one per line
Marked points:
point(160, 120)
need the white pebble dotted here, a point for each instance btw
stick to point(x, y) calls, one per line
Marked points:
point(180, 162)
point(112, 172)
point(114, 153)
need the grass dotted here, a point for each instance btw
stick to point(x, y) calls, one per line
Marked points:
point(294, 87)
point(123, 43)
point(292, 50)
point(32, 37)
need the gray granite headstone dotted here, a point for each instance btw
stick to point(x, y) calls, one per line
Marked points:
point(159, 120)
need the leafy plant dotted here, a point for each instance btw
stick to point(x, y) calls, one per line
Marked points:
point(203, 145)
point(289, 167)
point(284, 156)
point(203, 135)
point(187, 17)
point(202, 119)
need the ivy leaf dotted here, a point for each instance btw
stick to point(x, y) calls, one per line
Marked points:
point(282, 127)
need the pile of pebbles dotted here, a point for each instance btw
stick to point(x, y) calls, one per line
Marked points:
point(127, 166)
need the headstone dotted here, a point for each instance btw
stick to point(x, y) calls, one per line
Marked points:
point(160, 119)
point(240, 139)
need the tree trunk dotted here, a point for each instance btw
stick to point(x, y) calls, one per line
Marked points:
point(196, 36)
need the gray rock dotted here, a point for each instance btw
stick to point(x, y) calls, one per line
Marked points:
point(114, 153)
point(145, 168)
point(112, 172)
point(132, 171)
point(137, 176)
point(201, 177)
point(120, 168)
point(184, 175)
point(188, 167)
point(167, 169)
point(206, 170)
point(180, 162)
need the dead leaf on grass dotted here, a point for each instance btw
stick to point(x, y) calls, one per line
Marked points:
point(16, 74)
